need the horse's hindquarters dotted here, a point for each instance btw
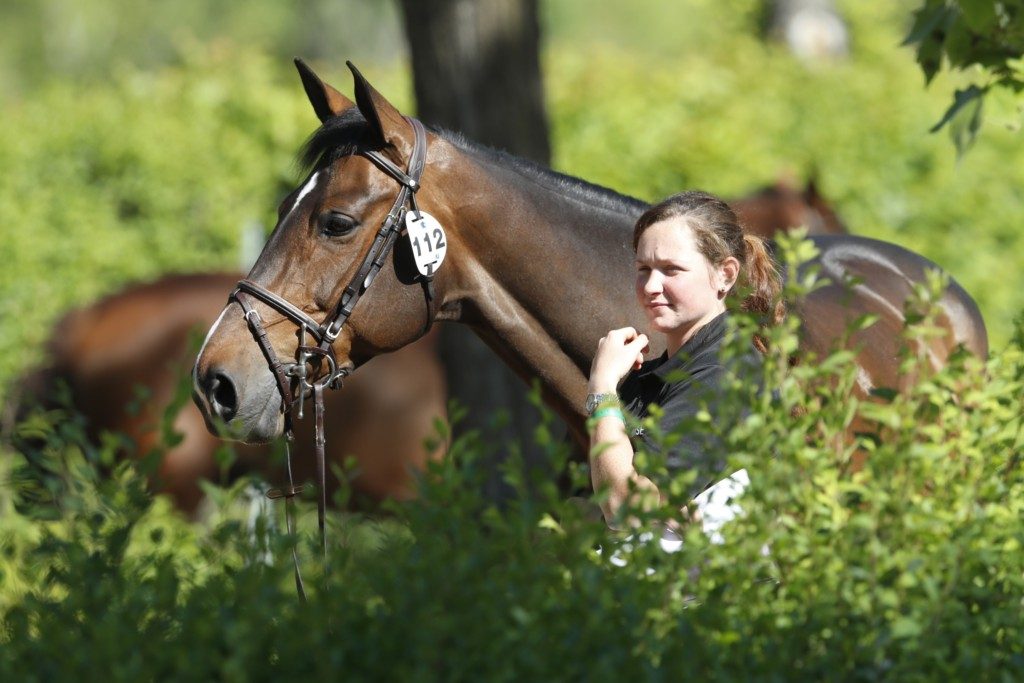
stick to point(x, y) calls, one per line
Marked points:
point(869, 277)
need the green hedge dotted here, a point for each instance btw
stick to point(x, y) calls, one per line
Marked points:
point(909, 568)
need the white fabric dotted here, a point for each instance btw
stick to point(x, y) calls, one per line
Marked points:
point(714, 505)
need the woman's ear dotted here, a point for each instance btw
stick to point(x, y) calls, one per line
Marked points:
point(728, 271)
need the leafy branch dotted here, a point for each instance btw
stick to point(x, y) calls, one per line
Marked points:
point(981, 36)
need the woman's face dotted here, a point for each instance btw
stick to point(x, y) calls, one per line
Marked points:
point(676, 286)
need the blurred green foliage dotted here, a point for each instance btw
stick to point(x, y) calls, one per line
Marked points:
point(981, 39)
point(84, 40)
point(908, 568)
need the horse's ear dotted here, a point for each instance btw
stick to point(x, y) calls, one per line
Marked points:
point(387, 121)
point(327, 102)
point(811, 190)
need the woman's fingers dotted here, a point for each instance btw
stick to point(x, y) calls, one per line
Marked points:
point(617, 353)
point(622, 335)
point(637, 347)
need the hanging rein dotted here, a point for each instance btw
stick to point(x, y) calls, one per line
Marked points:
point(315, 366)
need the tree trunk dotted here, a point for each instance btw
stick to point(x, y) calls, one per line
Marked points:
point(476, 69)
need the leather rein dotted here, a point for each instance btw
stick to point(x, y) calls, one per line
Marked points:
point(305, 377)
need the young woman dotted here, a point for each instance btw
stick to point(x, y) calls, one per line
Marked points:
point(690, 256)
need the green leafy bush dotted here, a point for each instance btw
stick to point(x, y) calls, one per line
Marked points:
point(906, 568)
point(981, 39)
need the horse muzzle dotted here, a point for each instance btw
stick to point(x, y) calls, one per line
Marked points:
point(237, 394)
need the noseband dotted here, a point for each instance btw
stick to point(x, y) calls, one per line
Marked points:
point(306, 373)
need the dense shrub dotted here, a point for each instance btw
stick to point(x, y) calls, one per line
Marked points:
point(908, 568)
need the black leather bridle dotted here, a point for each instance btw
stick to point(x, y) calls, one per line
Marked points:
point(306, 373)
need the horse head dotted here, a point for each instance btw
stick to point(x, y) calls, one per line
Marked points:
point(340, 230)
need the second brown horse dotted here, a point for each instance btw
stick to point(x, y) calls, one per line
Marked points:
point(133, 348)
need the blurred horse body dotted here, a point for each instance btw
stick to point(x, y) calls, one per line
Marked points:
point(125, 357)
point(781, 207)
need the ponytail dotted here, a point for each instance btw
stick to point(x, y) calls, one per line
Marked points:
point(762, 285)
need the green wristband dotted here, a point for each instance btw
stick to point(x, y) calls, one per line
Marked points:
point(609, 411)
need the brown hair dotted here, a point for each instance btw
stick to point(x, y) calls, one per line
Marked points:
point(718, 235)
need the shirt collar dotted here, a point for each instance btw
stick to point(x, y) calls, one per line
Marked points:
point(706, 337)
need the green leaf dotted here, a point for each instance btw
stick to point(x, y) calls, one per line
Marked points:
point(934, 14)
point(929, 34)
point(961, 46)
point(979, 15)
point(965, 125)
point(963, 117)
point(905, 627)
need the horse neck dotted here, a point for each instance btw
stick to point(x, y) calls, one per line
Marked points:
point(543, 270)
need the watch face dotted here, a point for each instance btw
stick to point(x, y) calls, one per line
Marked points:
point(593, 400)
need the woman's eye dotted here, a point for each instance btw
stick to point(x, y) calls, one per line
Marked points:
point(335, 224)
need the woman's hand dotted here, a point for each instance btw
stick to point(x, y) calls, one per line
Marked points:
point(618, 352)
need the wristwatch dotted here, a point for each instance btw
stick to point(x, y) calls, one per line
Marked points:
point(594, 400)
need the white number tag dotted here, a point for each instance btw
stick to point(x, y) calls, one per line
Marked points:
point(429, 243)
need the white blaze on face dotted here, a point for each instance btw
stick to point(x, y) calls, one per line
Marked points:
point(306, 189)
point(210, 333)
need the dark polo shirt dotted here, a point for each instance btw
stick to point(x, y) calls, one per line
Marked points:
point(682, 385)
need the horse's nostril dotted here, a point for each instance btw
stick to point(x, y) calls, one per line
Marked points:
point(222, 396)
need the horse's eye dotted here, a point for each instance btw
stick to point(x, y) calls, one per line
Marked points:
point(336, 224)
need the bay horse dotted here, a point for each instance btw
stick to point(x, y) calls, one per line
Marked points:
point(537, 263)
point(123, 357)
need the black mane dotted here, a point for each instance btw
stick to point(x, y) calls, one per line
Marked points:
point(580, 189)
point(347, 133)
point(350, 133)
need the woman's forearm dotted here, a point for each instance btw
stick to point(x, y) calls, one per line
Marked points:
point(611, 469)
point(611, 454)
